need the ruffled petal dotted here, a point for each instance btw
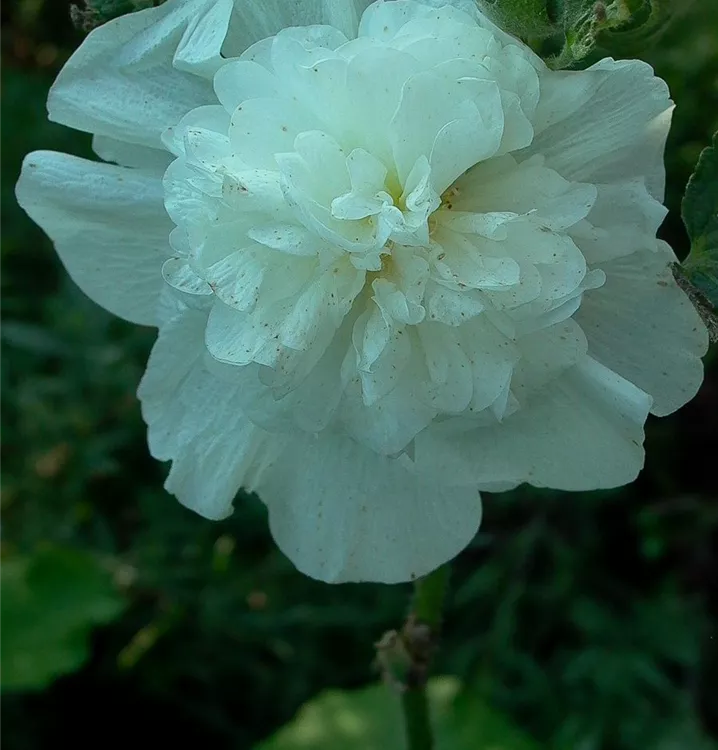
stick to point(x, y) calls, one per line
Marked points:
point(605, 124)
point(584, 431)
point(195, 420)
point(454, 124)
point(109, 227)
point(383, 21)
point(134, 76)
point(254, 21)
point(623, 220)
point(640, 324)
point(342, 513)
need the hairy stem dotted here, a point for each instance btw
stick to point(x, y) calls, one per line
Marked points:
point(406, 656)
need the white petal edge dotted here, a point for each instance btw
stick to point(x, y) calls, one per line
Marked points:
point(341, 513)
point(608, 123)
point(138, 74)
point(254, 21)
point(151, 160)
point(109, 227)
point(195, 420)
point(584, 431)
point(643, 326)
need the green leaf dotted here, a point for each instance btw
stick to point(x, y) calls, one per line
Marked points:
point(700, 215)
point(370, 719)
point(50, 602)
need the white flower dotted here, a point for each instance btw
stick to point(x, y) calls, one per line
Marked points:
point(393, 261)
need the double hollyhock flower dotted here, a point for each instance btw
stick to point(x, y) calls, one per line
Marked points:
point(393, 259)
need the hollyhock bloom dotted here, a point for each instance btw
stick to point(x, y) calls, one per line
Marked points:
point(393, 259)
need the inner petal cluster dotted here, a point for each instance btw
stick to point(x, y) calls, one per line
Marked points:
point(375, 247)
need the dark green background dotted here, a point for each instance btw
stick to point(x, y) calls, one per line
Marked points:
point(588, 620)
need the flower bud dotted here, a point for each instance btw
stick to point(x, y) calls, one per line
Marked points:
point(527, 19)
point(577, 27)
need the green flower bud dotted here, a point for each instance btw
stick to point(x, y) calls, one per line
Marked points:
point(646, 22)
point(528, 19)
point(565, 32)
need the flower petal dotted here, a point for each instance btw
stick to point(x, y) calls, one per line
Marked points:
point(606, 124)
point(342, 513)
point(584, 431)
point(151, 160)
point(194, 419)
point(640, 324)
point(109, 227)
point(623, 220)
point(240, 80)
point(134, 76)
point(253, 21)
point(383, 21)
point(454, 124)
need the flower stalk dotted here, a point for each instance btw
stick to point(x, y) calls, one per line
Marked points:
point(405, 656)
point(415, 707)
point(429, 594)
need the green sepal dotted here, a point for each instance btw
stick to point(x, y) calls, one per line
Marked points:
point(700, 215)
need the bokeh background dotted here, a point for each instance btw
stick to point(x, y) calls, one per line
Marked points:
point(575, 621)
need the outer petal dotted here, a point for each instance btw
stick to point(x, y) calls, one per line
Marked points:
point(606, 124)
point(643, 326)
point(623, 220)
point(342, 513)
point(134, 76)
point(195, 420)
point(253, 21)
point(108, 224)
point(151, 160)
point(584, 431)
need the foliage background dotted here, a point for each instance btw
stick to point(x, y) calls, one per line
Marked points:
point(587, 621)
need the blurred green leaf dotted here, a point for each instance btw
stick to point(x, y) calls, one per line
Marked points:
point(686, 735)
point(700, 215)
point(32, 338)
point(50, 602)
point(370, 719)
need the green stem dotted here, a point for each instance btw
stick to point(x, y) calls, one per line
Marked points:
point(415, 704)
point(426, 612)
point(429, 593)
